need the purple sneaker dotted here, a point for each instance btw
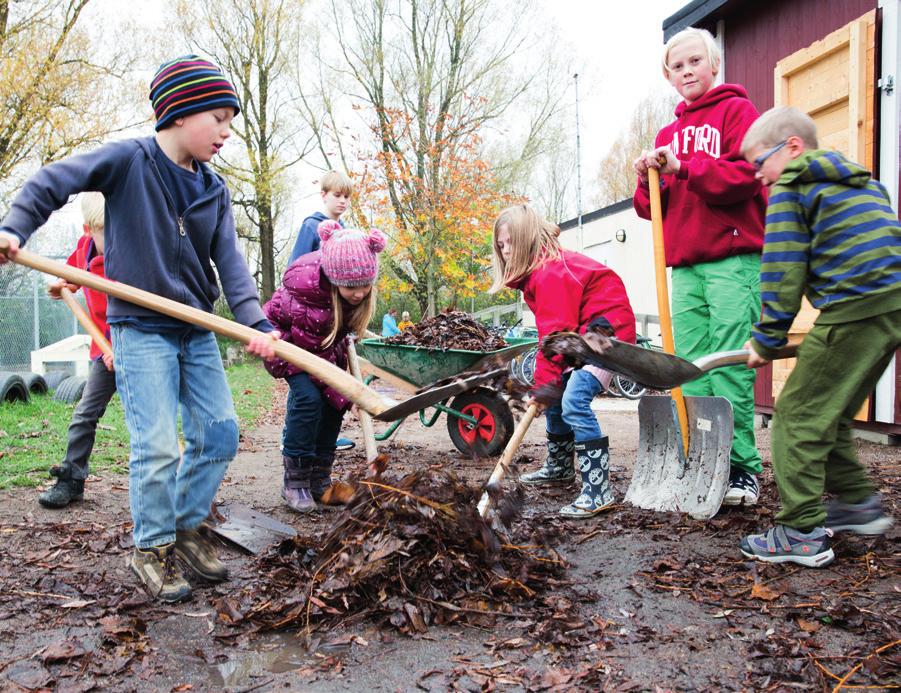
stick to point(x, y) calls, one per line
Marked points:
point(783, 544)
point(865, 517)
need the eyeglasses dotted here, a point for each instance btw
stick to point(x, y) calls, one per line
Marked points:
point(761, 160)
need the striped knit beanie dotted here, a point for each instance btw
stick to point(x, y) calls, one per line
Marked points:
point(187, 85)
point(349, 256)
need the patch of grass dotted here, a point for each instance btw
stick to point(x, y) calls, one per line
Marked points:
point(33, 435)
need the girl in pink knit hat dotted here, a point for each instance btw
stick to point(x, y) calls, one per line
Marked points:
point(324, 296)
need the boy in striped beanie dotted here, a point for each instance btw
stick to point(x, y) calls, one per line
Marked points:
point(832, 236)
point(169, 221)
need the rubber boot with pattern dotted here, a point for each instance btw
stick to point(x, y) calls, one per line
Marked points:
point(593, 457)
point(558, 466)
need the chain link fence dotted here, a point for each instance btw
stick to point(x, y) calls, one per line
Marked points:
point(31, 320)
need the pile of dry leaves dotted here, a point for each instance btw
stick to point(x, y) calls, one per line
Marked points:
point(414, 552)
point(451, 330)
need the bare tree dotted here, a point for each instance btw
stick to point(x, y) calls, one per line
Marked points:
point(254, 41)
point(437, 78)
point(616, 178)
point(58, 90)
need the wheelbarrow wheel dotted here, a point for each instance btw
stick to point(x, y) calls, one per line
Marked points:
point(495, 423)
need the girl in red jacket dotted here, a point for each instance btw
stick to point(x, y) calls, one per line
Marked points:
point(565, 291)
point(713, 214)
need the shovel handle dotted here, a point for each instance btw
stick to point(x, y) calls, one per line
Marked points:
point(330, 374)
point(666, 320)
point(365, 420)
point(739, 356)
point(89, 326)
point(503, 464)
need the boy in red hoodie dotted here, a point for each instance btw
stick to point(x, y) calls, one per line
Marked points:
point(713, 219)
point(101, 385)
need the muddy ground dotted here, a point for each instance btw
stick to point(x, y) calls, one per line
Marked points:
point(654, 601)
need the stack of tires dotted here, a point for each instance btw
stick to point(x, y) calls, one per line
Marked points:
point(18, 387)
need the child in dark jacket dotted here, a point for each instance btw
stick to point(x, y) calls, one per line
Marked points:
point(832, 236)
point(324, 296)
point(101, 385)
point(168, 221)
point(565, 291)
point(713, 232)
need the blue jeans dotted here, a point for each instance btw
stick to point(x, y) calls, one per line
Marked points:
point(311, 424)
point(573, 413)
point(156, 374)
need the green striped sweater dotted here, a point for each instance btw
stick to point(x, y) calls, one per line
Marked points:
point(831, 234)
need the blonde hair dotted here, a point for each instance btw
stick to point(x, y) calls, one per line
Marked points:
point(356, 320)
point(714, 57)
point(92, 206)
point(777, 125)
point(336, 182)
point(405, 315)
point(533, 242)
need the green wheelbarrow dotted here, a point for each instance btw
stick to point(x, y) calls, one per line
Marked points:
point(479, 421)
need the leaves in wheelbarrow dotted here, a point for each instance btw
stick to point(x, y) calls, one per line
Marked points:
point(452, 330)
point(412, 552)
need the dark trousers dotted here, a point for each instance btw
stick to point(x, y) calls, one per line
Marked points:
point(311, 424)
point(98, 391)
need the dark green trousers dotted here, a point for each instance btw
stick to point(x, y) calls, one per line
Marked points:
point(837, 367)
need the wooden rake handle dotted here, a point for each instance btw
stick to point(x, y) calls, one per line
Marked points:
point(503, 464)
point(89, 326)
point(342, 381)
point(365, 419)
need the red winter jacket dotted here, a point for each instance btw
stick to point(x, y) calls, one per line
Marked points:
point(86, 257)
point(302, 311)
point(567, 294)
point(713, 208)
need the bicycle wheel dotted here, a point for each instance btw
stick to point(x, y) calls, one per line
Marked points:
point(628, 388)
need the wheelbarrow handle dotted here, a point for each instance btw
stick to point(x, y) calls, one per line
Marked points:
point(341, 380)
point(503, 464)
point(86, 322)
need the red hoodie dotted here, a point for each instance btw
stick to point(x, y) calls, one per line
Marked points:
point(567, 294)
point(87, 258)
point(713, 208)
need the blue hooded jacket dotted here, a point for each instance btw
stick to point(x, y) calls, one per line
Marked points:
point(308, 236)
point(147, 245)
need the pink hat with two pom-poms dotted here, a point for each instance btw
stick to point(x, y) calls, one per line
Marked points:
point(350, 256)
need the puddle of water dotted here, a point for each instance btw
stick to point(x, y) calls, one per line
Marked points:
point(273, 653)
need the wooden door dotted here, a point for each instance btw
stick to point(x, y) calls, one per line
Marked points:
point(832, 80)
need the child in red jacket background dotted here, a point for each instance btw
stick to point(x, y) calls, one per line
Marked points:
point(566, 291)
point(101, 385)
point(713, 210)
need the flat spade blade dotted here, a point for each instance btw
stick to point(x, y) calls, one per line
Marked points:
point(649, 367)
point(438, 394)
point(664, 479)
point(250, 529)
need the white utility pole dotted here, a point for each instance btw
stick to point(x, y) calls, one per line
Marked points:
point(578, 167)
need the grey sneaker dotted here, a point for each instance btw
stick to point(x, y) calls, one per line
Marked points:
point(158, 571)
point(197, 552)
point(865, 517)
point(783, 544)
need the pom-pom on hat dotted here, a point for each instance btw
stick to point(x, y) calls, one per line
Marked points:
point(187, 85)
point(350, 256)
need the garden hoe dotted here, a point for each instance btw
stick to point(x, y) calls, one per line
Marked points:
point(683, 442)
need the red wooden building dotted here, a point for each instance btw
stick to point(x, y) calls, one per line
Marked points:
point(838, 60)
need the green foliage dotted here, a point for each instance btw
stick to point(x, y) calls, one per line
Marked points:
point(33, 435)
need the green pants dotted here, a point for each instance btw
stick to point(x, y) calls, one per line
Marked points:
point(714, 306)
point(838, 366)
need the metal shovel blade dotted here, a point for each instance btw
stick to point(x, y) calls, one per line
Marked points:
point(250, 529)
point(438, 394)
point(663, 479)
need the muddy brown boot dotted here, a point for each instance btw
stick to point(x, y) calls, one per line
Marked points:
point(197, 552)
point(158, 571)
point(558, 466)
point(66, 489)
point(296, 489)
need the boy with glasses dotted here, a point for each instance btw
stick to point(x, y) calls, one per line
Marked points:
point(831, 235)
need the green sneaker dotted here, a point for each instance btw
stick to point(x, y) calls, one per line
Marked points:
point(197, 552)
point(157, 569)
